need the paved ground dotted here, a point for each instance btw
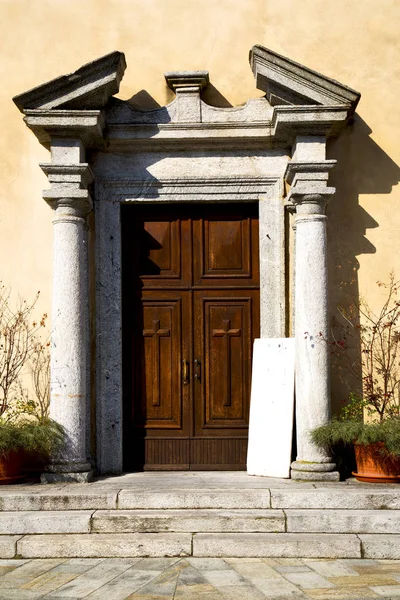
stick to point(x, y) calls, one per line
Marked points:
point(199, 579)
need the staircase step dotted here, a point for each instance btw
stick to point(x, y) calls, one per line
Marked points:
point(362, 498)
point(201, 520)
point(343, 521)
point(276, 545)
point(163, 499)
point(85, 497)
point(22, 522)
point(88, 497)
point(117, 545)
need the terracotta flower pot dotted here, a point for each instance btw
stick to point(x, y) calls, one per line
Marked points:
point(374, 466)
point(11, 468)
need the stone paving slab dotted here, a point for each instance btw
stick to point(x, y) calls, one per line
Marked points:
point(200, 579)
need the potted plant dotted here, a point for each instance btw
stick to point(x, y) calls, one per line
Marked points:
point(25, 438)
point(370, 421)
point(26, 433)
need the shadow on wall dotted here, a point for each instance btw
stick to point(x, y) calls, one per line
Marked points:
point(362, 168)
point(144, 101)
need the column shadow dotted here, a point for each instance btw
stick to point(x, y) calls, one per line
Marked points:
point(363, 167)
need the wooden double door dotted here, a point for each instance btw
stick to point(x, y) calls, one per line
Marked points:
point(190, 315)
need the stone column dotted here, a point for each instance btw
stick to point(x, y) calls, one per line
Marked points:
point(308, 174)
point(71, 202)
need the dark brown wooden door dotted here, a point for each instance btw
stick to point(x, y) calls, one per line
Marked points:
point(190, 314)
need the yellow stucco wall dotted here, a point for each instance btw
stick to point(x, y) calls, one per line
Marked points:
point(354, 42)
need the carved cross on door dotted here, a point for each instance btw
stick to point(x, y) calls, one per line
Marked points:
point(156, 333)
point(227, 333)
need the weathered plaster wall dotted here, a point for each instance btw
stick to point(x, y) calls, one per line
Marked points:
point(354, 42)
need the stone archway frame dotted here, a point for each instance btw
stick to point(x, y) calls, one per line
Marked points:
point(187, 151)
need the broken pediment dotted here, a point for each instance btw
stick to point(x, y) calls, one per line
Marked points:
point(287, 82)
point(298, 101)
point(90, 87)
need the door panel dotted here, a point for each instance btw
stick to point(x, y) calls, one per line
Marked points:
point(225, 326)
point(225, 248)
point(161, 409)
point(161, 361)
point(162, 247)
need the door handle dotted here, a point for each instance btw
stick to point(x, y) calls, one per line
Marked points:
point(185, 371)
point(197, 370)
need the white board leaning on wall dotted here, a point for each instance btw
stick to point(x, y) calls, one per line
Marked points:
point(271, 408)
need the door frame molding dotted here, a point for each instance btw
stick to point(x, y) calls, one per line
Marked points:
point(109, 195)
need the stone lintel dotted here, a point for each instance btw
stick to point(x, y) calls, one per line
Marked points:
point(84, 125)
point(287, 82)
point(288, 122)
point(89, 87)
point(179, 80)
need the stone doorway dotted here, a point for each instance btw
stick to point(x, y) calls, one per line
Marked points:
point(185, 152)
point(191, 305)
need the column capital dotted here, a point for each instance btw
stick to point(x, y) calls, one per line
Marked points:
point(309, 190)
point(69, 188)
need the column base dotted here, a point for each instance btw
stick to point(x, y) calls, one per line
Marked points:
point(83, 477)
point(309, 471)
point(68, 472)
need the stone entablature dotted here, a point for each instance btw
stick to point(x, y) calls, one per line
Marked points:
point(187, 151)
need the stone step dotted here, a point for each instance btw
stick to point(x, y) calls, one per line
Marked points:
point(201, 521)
point(361, 498)
point(342, 521)
point(188, 520)
point(241, 545)
point(95, 497)
point(193, 499)
point(124, 545)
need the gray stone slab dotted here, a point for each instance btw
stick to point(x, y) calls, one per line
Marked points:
point(20, 595)
point(205, 520)
point(207, 564)
point(343, 521)
point(224, 577)
point(387, 591)
point(380, 546)
point(31, 570)
point(253, 570)
point(45, 522)
point(105, 545)
point(138, 499)
point(124, 585)
point(8, 545)
point(308, 580)
point(276, 545)
point(279, 589)
point(242, 592)
point(93, 579)
point(331, 568)
point(334, 497)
